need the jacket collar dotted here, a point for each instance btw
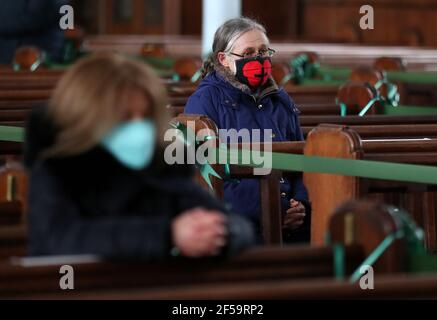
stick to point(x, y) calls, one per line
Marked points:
point(226, 75)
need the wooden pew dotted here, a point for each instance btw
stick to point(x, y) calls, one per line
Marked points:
point(271, 220)
point(390, 131)
point(422, 154)
point(330, 54)
point(256, 264)
point(410, 93)
point(401, 286)
point(39, 277)
point(342, 142)
point(307, 121)
point(13, 90)
point(13, 241)
point(328, 191)
point(415, 151)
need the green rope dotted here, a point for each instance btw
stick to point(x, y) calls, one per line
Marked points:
point(206, 170)
point(346, 167)
point(33, 67)
point(302, 163)
point(404, 110)
point(11, 134)
point(302, 68)
point(339, 261)
point(412, 77)
point(370, 104)
point(376, 254)
point(321, 82)
point(330, 72)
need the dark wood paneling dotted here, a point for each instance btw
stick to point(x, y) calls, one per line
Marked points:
point(397, 22)
point(407, 22)
point(191, 16)
point(279, 17)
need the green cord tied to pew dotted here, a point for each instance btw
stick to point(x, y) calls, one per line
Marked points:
point(332, 75)
point(419, 261)
point(70, 54)
point(389, 103)
point(389, 109)
point(300, 163)
point(389, 100)
point(11, 134)
point(418, 77)
point(189, 140)
point(301, 69)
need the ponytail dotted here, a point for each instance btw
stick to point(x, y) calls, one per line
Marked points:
point(208, 65)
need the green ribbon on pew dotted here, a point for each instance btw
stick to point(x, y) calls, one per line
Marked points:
point(367, 107)
point(189, 139)
point(387, 109)
point(392, 96)
point(161, 65)
point(33, 67)
point(301, 163)
point(418, 261)
point(343, 107)
point(376, 254)
point(329, 73)
point(419, 77)
point(302, 68)
point(11, 134)
point(422, 263)
point(413, 77)
point(158, 62)
point(339, 260)
point(390, 104)
point(321, 82)
point(346, 167)
point(388, 101)
point(403, 110)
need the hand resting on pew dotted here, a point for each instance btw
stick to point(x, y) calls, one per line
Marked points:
point(199, 232)
point(294, 218)
point(99, 184)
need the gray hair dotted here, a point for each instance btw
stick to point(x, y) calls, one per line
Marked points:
point(226, 36)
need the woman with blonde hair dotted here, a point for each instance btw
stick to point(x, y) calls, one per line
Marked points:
point(99, 184)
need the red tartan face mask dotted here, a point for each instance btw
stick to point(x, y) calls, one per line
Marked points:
point(253, 72)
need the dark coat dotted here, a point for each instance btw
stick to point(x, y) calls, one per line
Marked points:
point(31, 22)
point(91, 204)
point(231, 105)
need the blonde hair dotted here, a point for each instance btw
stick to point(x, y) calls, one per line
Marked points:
point(89, 100)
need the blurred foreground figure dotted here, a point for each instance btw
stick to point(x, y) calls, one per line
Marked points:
point(99, 183)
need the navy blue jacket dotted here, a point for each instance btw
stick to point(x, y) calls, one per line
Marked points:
point(31, 23)
point(231, 106)
point(91, 204)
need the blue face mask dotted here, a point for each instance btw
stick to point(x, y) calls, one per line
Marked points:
point(132, 143)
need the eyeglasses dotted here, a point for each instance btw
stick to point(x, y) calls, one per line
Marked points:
point(261, 53)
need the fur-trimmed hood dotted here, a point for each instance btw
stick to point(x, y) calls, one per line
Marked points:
point(226, 74)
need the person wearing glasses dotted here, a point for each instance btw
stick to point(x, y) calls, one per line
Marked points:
point(238, 92)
